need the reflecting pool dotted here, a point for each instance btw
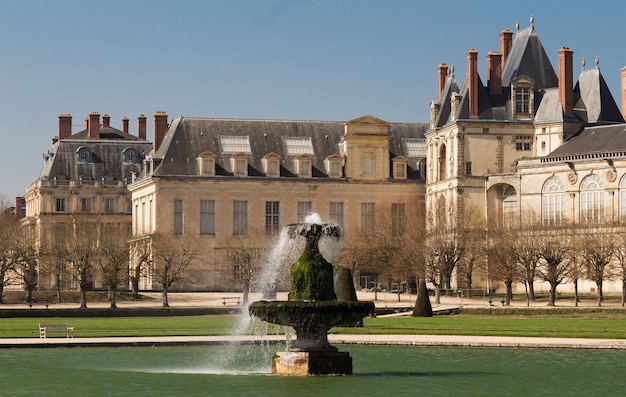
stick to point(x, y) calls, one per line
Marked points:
point(378, 371)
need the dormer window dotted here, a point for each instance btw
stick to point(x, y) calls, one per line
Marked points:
point(239, 164)
point(333, 166)
point(304, 163)
point(399, 167)
point(271, 165)
point(206, 164)
point(84, 154)
point(522, 98)
point(131, 156)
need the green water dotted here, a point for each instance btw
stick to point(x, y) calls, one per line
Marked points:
point(378, 371)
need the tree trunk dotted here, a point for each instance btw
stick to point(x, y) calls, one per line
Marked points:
point(531, 290)
point(164, 298)
point(246, 292)
point(527, 291)
point(623, 292)
point(112, 295)
point(1, 293)
point(58, 286)
point(552, 294)
point(509, 292)
point(83, 297)
point(600, 295)
point(576, 292)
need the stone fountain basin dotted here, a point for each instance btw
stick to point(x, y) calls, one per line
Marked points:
point(312, 314)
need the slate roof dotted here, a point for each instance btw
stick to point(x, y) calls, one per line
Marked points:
point(107, 157)
point(188, 137)
point(594, 139)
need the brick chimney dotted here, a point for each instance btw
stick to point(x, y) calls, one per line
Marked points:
point(506, 42)
point(472, 81)
point(566, 80)
point(94, 125)
point(160, 128)
point(494, 72)
point(65, 125)
point(442, 75)
point(125, 124)
point(141, 126)
point(623, 75)
point(106, 121)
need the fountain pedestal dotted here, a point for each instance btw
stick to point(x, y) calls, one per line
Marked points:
point(305, 363)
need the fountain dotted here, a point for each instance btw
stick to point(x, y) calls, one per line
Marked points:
point(312, 309)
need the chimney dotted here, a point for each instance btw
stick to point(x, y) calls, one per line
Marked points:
point(160, 128)
point(623, 74)
point(125, 124)
point(472, 81)
point(506, 42)
point(494, 72)
point(65, 125)
point(94, 125)
point(566, 80)
point(141, 126)
point(442, 75)
point(106, 121)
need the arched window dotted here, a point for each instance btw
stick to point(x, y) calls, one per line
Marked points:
point(553, 201)
point(622, 199)
point(592, 200)
point(509, 204)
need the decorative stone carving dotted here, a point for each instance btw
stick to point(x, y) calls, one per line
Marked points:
point(611, 176)
point(572, 178)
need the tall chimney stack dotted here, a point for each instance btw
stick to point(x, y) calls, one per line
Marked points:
point(566, 80)
point(506, 42)
point(65, 125)
point(494, 72)
point(94, 125)
point(472, 80)
point(160, 128)
point(141, 126)
point(125, 124)
point(623, 75)
point(106, 121)
point(442, 75)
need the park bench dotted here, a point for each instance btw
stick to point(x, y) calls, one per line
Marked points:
point(45, 329)
point(231, 299)
point(43, 301)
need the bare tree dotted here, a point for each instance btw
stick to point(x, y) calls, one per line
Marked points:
point(141, 260)
point(11, 251)
point(113, 259)
point(620, 256)
point(53, 260)
point(244, 252)
point(597, 250)
point(553, 264)
point(503, 265)
point(526, 254)
point(171, 256)
point(82, 248)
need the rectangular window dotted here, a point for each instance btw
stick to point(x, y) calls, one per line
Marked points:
point(398, 219)
point(109, 205)
point(367, 164)
point(240, 167)
point(336, 214)
point(178, 217)
point(400, 168)
point(129, 207)
point(522, 100)
point(523, 143)
point(60, 205)
point(335, 168)
point(468, 168)
point(240, 217)
point(272, 209)
point(272, 167)
point(305, 167)
point(207, 166)
point(553, 209)
point(368, 219)
point(85, 204)
point(304, 210)
point(207, 217)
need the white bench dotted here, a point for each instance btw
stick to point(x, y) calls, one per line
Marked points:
point(45, 329)
point(231, 299)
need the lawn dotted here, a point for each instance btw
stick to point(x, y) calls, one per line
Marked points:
point(605, 325)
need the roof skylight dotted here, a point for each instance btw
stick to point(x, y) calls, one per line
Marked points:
point(415, 147)
point(295, 146)
point(235, 144)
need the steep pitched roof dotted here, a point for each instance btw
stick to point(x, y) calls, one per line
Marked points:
point(595, 98)
point(188, 137)
point(528, 57)
point(594, 139)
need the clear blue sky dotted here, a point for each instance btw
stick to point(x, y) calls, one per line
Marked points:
point(270, 59)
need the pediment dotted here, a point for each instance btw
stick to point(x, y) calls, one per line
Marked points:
point(367, 119)
point(523, 80)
